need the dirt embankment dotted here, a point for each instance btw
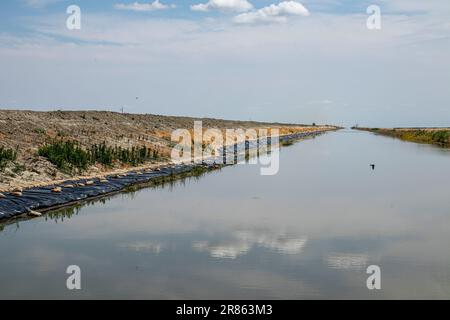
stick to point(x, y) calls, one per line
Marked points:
point(24, 132)
point(436, 136)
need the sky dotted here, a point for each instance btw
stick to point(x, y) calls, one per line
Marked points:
point(269, 60)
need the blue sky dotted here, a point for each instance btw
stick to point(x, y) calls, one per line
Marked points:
point(308, 61)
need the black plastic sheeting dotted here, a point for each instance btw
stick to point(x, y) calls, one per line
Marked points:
point(43, 197)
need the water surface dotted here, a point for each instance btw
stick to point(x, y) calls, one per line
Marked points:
point(308, 232)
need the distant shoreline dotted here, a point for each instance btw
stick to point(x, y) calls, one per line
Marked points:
point(431, 135)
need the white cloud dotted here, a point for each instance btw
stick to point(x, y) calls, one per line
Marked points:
point(223, 5)
point(136, 6)
point(246, 240)
point(273, 13)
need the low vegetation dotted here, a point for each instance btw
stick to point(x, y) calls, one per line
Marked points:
point(69, 156)
point(431, 136)
point(132, 156)
point(441, 137)
point(66, 155)
point(7, 155)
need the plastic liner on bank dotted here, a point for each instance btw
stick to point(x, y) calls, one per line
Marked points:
point(43, 197)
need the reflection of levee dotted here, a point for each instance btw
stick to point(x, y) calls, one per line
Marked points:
point(70, 209)
point(42, 199)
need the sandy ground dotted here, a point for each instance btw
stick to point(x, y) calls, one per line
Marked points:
point(26, 131)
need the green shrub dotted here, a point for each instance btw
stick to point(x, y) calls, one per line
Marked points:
point(39, 131)
point(66, 155)
point(441, 137)
point(18, 168)
point(7, 155)
point(108, 155)
point(101, 154)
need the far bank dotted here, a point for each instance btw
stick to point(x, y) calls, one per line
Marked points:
point(435, 136)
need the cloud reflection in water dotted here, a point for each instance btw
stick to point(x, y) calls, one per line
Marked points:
point(245, 240)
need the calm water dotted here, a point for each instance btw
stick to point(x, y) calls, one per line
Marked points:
point(308, 232)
